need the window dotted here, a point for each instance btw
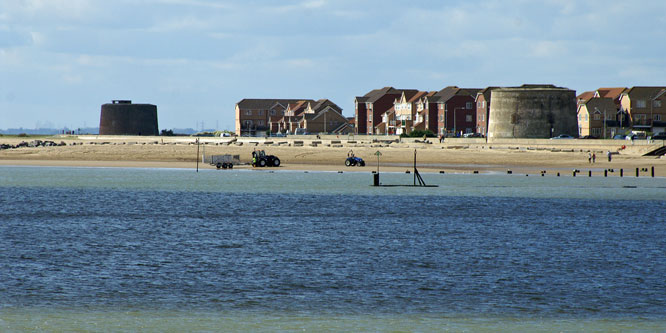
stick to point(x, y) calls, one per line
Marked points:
point(247, 123)
point(656, 103)
point(482, 117)
point(248, 112)
point(597, 116)
point(468, 105)
point(468, 118)
point(609, 117)
point(596, 132)
point(640, 103)
point(261, 112)
point(441, 117)
point(272, 112)
point(657, 117)
point(260, 123)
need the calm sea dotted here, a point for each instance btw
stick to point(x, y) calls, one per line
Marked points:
point(107, 249)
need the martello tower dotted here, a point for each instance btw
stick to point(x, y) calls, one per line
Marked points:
point(121, 117)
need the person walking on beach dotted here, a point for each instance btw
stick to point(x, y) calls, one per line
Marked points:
point(609, 156)
point(594, 158)
point(589, 157)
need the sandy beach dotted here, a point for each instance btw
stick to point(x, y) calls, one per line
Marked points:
point(329, 153)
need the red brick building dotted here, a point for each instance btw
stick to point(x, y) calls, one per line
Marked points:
point(370, 107)
point(456, 110)
point(483, 110)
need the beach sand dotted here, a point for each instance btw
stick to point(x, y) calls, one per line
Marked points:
point(452, 156)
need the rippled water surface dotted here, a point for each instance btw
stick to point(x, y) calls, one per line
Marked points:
point(328, 251)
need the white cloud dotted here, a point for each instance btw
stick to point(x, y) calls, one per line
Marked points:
point(247, 46)
point(53, 8)
point(196, 3)
point(182, 23)
point(548, 49)
point(301, 63)
point(314, 4)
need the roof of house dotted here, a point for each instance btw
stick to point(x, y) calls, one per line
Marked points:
point(450, 91)
point(644, 92)
point(323, 103)
point(486, 92)
point(601, 104)
point(613, 93)
point(297, 107)
point(376, 94)
point(584, 97)
point(265, 103)
point(417, 96)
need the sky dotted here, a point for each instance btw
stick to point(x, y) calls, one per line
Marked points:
point(60, 60)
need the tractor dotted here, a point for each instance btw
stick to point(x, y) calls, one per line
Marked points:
point(353, 160)
point(260, 159)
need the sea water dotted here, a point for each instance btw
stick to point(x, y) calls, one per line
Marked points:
point(106, 249)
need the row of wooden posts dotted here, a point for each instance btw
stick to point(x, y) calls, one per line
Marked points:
point(589, 172)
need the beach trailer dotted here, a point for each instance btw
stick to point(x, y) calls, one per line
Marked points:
point(225, 161)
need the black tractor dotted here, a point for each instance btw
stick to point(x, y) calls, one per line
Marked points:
point(260, 159)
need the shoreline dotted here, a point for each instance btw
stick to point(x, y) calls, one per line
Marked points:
point(454, 156)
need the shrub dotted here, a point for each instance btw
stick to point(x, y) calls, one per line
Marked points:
point(418, 134)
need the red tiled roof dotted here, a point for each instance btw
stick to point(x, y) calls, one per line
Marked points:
point(584, 97)
point(613, 93)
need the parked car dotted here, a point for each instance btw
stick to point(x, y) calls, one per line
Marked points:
point(473, 135)
point(619, 137)
point(659, 136)
point(563, 136)
point(589, 137)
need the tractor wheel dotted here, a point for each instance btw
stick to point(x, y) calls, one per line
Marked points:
point(348, 162)
point(276, 162)
point(224, 165)
point(230, 165)
point(262, 162)
point(218, 165)
point(362, 163)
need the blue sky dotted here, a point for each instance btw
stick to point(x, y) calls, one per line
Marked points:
point(61, 59)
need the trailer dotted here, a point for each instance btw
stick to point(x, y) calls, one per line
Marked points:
point(225, 161)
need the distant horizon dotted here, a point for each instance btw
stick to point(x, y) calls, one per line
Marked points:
point(194, 59)
point(88, 130)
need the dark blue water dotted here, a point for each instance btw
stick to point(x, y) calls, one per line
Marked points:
point(78, 247)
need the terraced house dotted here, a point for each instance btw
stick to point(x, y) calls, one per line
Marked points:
point(322, 116)
point(456, 111)
point(406, 113)
point(646, 107)
point(600, 115)
point(369, 108)
point(261, 116)
point(254, 116)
